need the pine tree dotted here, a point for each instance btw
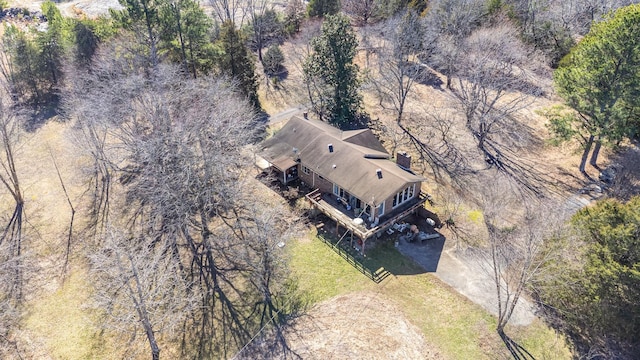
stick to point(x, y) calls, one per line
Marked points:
point(320, 8)
point(237, 62)
point(273, 60)
point(51, 47)
point(330, 74)
point(185, 35)
point(141, 17)
point(599, 79)
point(22, 72)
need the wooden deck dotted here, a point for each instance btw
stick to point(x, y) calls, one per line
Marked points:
point(361, 231)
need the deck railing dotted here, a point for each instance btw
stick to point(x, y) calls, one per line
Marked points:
point(344, 220)
point(377, 276)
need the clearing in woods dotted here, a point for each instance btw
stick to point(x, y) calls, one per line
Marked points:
point(411, 314)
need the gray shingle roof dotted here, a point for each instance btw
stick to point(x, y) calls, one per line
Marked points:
point(357, 155)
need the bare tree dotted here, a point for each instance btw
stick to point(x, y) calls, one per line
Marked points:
point(363, 12)
point(176, 153)
point(400, 60)
point(451, 21)
point(230, 10)
point(11, 235)
point(294, 13)
point(492, 82)
point(94, 120)
point(265, 26)
point(518, 227)
point(431, 137)
point(133, 275)
point(13, 252)
point(10, 306)
point(266, 232)
point(578, 15)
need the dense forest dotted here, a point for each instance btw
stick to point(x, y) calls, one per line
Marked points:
point(163, 102)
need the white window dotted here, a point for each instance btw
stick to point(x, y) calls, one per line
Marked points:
point(338, 191)
point(380, 209)
point(404, 195)
point(306, 170)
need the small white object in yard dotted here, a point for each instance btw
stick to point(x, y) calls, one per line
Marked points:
point(431, 222)
point(358, 221)
point(280, 244)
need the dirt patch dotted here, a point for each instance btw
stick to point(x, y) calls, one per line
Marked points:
point(359, 326)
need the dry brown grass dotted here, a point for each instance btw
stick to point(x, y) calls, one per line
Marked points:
point(359, 326)
point(395, 321)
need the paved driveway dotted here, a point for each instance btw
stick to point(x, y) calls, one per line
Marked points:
point(467, 273)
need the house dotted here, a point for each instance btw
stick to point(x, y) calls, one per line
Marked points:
point(356, 184)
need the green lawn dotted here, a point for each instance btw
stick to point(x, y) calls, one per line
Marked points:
point(458, 328)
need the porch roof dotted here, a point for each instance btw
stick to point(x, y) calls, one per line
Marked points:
point(283, 163)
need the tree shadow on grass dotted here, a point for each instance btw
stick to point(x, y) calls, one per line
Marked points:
point(526, 173)
point(625, 167)
point(424, 75)
point(39, 115)
point(517, 351)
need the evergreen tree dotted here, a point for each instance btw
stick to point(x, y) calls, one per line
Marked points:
point(87, 35)
point(22, 70)
point(141, 17)
point(273, 60)
point(51, 47)
point(320, 8)
point(330, 74)
point(34, 69)
point(597, 292)
point(600, 79)
point(185, 35)
point(237, 62)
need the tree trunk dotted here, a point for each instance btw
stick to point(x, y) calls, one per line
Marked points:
point(152, 37)
point(181, 37)
point(482, 136)
point(400, 111)
point(594, 155)
point(260, 45)
point(585, 154)
point(155, 352)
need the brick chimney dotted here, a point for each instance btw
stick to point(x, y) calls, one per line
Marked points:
point(403, 160)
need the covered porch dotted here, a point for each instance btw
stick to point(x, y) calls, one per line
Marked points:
point(284, 168)
point(355, 221)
